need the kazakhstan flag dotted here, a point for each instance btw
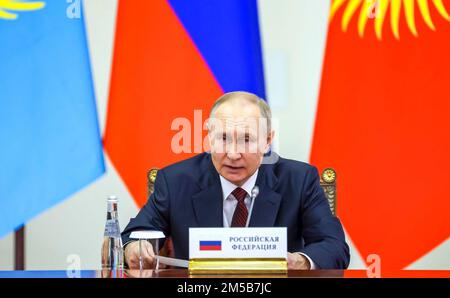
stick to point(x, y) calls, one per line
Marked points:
point(50, 144)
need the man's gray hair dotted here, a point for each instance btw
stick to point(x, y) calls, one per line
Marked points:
point(251, 98)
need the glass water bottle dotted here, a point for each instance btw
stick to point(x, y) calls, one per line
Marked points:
point(112, 250)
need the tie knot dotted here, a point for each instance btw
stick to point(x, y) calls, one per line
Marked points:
point(239, 194)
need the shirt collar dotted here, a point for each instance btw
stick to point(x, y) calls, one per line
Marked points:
point(228, 187)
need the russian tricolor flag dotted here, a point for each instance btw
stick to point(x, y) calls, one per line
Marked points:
point(210, 245)
point(174, 58)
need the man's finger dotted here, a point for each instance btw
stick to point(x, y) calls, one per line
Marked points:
point(148, 262)
point(147, 255)
point(149, 249)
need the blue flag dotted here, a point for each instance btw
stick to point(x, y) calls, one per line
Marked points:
point(50, 145)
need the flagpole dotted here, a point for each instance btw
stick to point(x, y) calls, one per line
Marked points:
point(19, 249)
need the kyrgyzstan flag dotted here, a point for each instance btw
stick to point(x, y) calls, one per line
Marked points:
point(172, 58)
point(383, 124)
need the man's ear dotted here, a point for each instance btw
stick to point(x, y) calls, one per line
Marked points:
point(270, 137)
point(207, 145)
point(207, 142)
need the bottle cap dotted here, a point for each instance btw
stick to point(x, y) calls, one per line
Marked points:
point(113, 198)
point(147, 235)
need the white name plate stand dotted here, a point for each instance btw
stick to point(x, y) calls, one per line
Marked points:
point(237, 250)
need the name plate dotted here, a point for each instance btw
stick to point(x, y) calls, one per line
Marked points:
point(237, 250)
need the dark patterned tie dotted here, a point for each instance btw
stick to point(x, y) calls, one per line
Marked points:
point(240, 213)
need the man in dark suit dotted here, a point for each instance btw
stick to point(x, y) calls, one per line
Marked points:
point(215, 190)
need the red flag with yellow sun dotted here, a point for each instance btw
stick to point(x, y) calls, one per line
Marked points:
point(383, 122)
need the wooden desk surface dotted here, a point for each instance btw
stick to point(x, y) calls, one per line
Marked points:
point(183, 273)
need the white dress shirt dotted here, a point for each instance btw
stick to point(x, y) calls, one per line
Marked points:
point(230, 202)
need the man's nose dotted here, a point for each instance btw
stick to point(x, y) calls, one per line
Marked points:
point(233, 155)
point(233, 152)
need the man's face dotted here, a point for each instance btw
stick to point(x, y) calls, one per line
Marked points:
point(238, 139)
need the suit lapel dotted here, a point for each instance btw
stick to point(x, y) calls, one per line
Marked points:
point(267, 203)
point(208, 202)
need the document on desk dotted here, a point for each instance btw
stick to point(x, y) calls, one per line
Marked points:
point(173, 262)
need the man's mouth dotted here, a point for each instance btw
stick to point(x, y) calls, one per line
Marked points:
point(233, 167)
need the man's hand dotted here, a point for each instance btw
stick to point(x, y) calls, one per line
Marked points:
point(132, 255)
point(297, 261)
